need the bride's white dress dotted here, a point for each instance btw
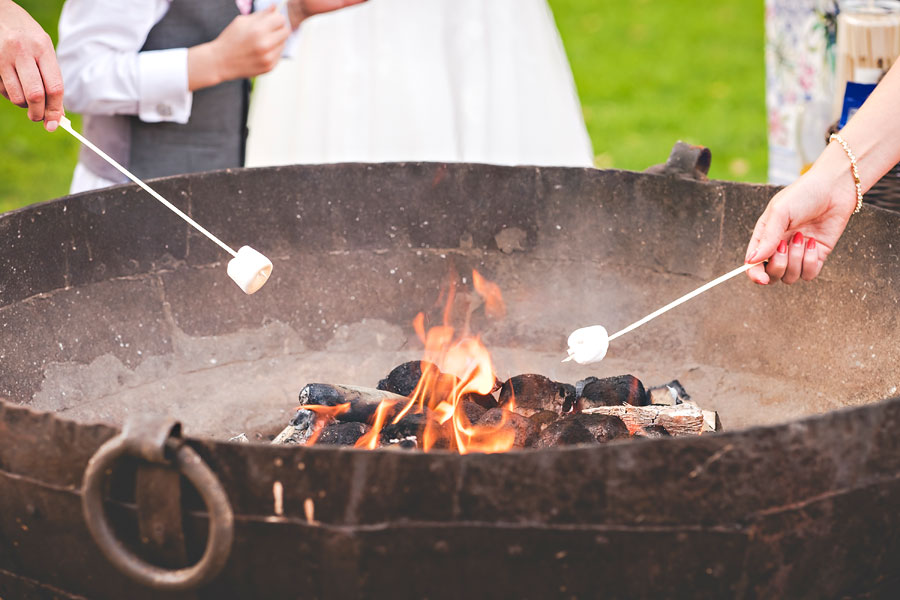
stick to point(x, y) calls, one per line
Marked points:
point(422, 80)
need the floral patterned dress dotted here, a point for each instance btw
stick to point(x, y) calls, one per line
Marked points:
point(800, 39)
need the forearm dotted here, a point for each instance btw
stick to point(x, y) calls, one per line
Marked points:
point(104, 69)
point(873, 133)
point(203, 67)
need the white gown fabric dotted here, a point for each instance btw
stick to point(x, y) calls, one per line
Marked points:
point(422, 80)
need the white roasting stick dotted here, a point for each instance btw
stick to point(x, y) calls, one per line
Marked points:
point(589, 344)
point(249, 269)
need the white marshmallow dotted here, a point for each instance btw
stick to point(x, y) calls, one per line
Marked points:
point(588, 344)
point(249, 269)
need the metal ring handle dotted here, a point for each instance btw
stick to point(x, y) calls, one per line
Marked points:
point(221, 520)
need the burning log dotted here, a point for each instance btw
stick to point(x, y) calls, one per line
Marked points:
point(533, 393)
point(363, 402)
point(403, 379)
point(684, 419)
point(411, 425)
point(610, 391)
point(486, 401)
point(526, 432)
point(472, 410)
point(417, 430)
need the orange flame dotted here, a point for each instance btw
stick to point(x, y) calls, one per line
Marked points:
point(452, 367)
point(369, 440)
point(494, 307)
point(330, 412)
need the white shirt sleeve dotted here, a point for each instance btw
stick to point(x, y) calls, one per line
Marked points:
point(104, 70)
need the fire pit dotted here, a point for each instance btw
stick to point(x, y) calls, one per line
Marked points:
point(110, 308)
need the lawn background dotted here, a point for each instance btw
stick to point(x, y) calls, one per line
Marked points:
point(648, 72)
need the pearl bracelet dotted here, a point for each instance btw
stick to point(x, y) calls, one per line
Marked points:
point(834, 137)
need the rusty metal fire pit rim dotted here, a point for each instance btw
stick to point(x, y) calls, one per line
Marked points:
point(721, 438)
point(157, 440)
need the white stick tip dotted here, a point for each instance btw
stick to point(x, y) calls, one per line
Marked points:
point(588, 344)
point(249, 269)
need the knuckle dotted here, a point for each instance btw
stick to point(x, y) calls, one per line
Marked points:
point(35, 96)
point(12, 46)
point(43, 41)
point(55, 88)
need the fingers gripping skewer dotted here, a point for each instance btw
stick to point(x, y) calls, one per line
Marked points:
point(589, 344)
point(249, 269)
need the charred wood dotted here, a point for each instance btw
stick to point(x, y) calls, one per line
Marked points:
point(684, 419)
point(363, 401)
point(604, 428)
point(526, 431)
point(533, 393)
point(542, 418)
point(486, 401)
point(403, 379)
point(412, 424)
point(472, 410)
point(610, 391)
point(564, 432)
point(299, 430)
point(342, 434)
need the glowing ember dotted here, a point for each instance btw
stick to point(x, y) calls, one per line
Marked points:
point(370, 439)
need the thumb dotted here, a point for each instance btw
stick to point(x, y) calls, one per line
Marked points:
point(768, 233)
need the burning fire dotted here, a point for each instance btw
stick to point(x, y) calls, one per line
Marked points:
point(328, 411)
point(455, 366)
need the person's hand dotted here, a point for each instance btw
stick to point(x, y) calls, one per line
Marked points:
point(29, 73)
point(298, 10)
point(800, 228)
point(249, 46)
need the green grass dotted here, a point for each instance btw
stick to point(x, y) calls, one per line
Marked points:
point(649, 72)
point(34, 165)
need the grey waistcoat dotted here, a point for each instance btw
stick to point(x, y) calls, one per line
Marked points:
point(213, 137)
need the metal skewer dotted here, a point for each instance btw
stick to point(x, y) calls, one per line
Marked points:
point(66, 124)
point(249, 268)
point(703, 288)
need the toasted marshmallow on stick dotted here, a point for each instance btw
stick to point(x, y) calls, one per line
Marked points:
point(588, 344)
point(249, 269)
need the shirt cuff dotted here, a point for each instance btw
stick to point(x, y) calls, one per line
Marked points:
point(163, 86)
